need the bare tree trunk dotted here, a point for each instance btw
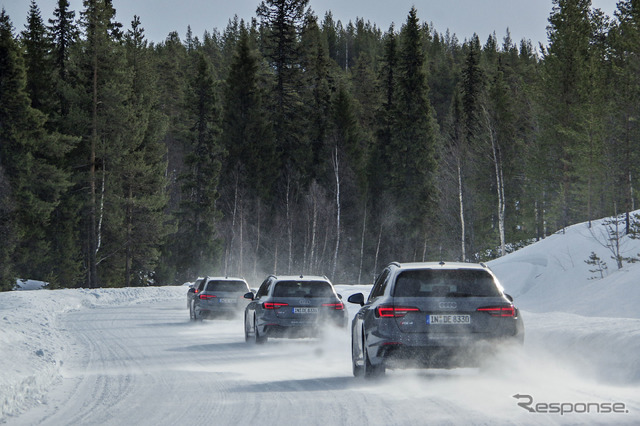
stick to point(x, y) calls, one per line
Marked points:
point(241, 254)
point(101, 215)
point(321, 264)
point(424, 248)
point(128, 251)
point(314, 224)
point(229, 257)
point(497, 163)
point(537, 220)
point(289, 227)
point(275, 260)
point(257, 254)
point(375, 262)
point(463, 246)
point(336, 172)
point(364, 228)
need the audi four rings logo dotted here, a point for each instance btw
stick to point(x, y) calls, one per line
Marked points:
point(448, 305)
point(304, 302)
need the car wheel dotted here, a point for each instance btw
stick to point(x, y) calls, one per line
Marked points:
point(247, 336)
point(371, 371)
point(357, 369)
point(259, 339)
point(196, 317)
point(192, 313)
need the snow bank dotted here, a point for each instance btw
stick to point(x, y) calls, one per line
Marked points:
point(32, 343)
point(552, 276)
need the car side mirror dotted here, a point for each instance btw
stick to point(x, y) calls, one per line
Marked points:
point(192, 290)
point(508, 296)
point(339, 296)
point(248, 295)
point(357, 299)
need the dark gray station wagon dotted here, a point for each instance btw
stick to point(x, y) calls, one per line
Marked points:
point(433, 315)
point(292, 306)
point(217, 296)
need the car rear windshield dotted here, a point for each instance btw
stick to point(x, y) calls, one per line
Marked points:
point(303, 289)
point(445, 283)
point(233, 286)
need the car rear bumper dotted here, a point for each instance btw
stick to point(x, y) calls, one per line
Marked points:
point(218, 310)
point(469, 354)
point(288, 328)
point(438, 350)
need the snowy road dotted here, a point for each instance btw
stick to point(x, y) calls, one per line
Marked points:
point(146, 364)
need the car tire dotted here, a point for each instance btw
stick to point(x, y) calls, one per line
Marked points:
point(192, 312)
point(196, 317)
point(371, 371)
point(247, 337)
point(357, 369)
point(259, 339)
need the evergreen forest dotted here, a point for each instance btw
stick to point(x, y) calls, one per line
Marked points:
point(299, 144)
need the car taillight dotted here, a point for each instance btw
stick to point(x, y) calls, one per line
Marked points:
point(336, 306)
point(386, 311)
point(499, 311)
point(273, 305)
point(206, 296)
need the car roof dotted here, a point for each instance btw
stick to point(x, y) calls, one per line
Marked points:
point(440, 265)
point(300, 278)
point(225, 279)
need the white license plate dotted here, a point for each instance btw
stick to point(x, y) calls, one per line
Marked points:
point(448, 319)
point(227, 300)
point(305, 310)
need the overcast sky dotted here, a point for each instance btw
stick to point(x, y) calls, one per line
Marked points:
point(524, 18)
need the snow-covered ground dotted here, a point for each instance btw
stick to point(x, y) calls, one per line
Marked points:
point(131, 356)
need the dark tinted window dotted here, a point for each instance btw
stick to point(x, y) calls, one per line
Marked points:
point(445, 283)
point(380, 285)
point(233, 286)
point(303, 289)
point(263, 290)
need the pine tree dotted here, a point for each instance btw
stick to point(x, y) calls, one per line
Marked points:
point(102, 116)
point(367, 99)
point(28, 155)
point(64, 231)
point(330, 34)
point(563, 99)
point(624, 39)
point(144, 165)
point(316, 99)
point(472, 81)
point(250, 168)
point(411, 154)
point(282, 21)
point(377, 175)
point(63, 34)
point(198, 214)
point(37, 47)
point(8, 234)
point(246, 134)
point(173, 67)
